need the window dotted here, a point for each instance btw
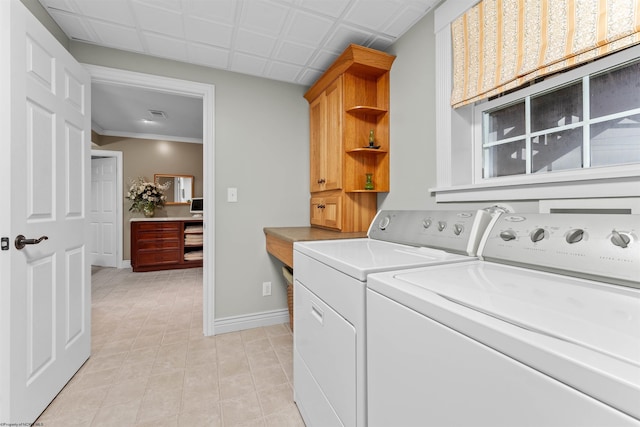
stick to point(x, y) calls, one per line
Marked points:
point(575, 134)
point(590, 122)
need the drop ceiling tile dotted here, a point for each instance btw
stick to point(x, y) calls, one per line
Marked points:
point(381, 43)
point(159, 20)
point(117, 11)
point(307, 27)
point(264, 16)
point(345, 35)
point(402, 21)
point(218, 11)
point(283, 72)
point(309, 76)
point(117, 36)
point(294, 53)
point(209, 56)
point(333, 8)
point(174, 5)
point(75, 27)
point(208, 32)
point(166, 47)
point(63, 5)
point(372, 14)
point(255, 43)
point(248, 64)
point(323, 60)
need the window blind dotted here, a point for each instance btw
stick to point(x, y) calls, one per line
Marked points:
point(500, 45)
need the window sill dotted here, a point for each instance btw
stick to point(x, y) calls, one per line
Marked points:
point(623, 181)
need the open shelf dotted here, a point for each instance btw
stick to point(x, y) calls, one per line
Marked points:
point(363, 109)
point(368, 150)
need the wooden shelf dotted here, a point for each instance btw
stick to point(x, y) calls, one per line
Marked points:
point(367, 150)
point(363, 109)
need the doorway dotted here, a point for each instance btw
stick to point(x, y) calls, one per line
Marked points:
point(106, 212)
point(206, 93)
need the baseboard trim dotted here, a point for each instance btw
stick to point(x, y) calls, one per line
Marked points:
point(125, 263)
point(249, 321)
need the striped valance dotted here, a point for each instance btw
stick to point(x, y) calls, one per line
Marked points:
point(499, 45)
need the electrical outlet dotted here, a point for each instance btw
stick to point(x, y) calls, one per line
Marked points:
point(266, 289)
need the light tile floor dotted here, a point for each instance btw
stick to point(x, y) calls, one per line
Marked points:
point(151, 365)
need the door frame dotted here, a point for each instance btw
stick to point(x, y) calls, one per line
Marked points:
point(119, 195)
point(206, 92)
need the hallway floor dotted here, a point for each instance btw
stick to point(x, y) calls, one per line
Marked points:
point(151, 365)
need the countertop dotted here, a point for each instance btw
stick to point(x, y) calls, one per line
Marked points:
point(280, 239)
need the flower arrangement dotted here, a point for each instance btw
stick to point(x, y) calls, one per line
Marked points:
point(146, 196)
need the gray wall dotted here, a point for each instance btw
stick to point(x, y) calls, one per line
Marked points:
point(412, 126)
point(261, 148)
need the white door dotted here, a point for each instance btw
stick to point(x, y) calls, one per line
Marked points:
point(103, 211)
point(45, 288)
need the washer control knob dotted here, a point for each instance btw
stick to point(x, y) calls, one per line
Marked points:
point(537, 235)
point(441, 225)
point(457, 229)
point(384, 223)
point(426, 223)
point(508, 235)
point(620, 239)
point(575, 235)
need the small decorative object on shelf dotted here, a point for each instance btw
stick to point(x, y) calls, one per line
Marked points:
point(368, 185)
point(372, 140)
point(146, 196)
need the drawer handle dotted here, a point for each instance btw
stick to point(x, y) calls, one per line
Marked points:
point(321, 206)
point(317, 314)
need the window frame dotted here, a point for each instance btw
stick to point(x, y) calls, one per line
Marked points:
point(458, 164)
point(556, 82)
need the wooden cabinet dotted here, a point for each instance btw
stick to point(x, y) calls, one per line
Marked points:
point(346, 104)
point(164, 245)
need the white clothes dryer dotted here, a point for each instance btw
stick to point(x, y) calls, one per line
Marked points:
point(329, 302)
point(544, 331)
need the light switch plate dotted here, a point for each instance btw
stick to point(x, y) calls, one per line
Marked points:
point(232, 194)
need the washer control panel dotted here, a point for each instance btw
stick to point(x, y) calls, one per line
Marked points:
point(598, 246)
point(453, 231)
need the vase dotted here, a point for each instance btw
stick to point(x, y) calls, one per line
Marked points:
point(149, 211)
point(368, 185)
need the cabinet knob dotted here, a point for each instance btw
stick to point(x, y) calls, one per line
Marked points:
point(322, 181)
point(320, 206)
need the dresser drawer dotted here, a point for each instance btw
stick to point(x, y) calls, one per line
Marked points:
point(155, 257)
point(167, 243)
point(158, 226)
point(158, 235)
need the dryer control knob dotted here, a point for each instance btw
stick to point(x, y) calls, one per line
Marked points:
point(426, 223)
point(384, 222)
point(620, 239)
point(441, 225)
point(508, 235)
point(537, 235)
point(574, 236)
point(457, 229)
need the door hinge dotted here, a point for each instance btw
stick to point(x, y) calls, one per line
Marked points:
point(4, 243)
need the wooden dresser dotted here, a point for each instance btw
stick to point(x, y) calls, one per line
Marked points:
point(166, 243)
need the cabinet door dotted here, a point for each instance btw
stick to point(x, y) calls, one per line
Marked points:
point(325, 128)
point(333, 145)
point(317, 133)
point(326, 212)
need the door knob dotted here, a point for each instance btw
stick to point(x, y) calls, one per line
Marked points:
point(21, 241)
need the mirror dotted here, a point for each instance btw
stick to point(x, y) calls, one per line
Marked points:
point(180, 190)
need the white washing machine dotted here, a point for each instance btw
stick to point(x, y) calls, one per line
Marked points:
point(543, 331)
point(329, 302)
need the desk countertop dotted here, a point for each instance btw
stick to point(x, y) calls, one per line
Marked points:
point(280, 239)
